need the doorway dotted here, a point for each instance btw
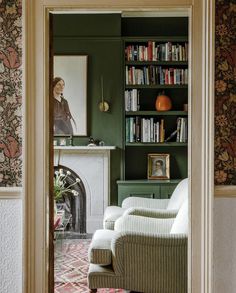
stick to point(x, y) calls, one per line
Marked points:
point(116, 44)
point(202, 178)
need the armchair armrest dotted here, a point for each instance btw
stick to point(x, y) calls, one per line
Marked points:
point(153, 262)
point(143, 224)
point(144, 202)
point(152, 213)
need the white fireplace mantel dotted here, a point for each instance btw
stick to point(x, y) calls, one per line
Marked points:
point(92, 165)
point(85, 148)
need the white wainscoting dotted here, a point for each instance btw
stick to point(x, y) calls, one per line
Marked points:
point(224, 243)
point(11, 266)
point(92, 164)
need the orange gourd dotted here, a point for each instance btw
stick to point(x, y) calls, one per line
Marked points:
point(163, 102)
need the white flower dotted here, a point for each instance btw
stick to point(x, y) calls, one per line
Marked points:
point(75, 192)
point(77, 180)
point(61, 171)
point(68, 173)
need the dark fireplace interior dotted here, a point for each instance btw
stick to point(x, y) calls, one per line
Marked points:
point(74, 206)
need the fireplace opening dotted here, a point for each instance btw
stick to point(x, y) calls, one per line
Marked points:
point(72, 202)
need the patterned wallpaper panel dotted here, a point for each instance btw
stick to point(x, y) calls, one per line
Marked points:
point(10, 92)
point(225, 92)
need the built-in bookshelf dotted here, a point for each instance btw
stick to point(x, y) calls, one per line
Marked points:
point(155, 60)
point(152, 65)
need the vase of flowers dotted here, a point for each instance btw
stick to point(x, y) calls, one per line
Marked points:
point(62, 189)
point(61, 186)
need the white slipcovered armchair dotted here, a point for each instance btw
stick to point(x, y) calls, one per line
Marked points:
point(159, 208)
point(141, 254)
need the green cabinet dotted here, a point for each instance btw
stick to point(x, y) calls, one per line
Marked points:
point(145, 188)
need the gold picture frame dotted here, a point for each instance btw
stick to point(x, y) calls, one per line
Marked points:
point(158, 166)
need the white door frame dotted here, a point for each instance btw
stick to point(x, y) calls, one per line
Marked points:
point(36, 136)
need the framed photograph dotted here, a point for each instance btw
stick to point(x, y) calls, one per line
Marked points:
point(158, 166)
point(70, 95)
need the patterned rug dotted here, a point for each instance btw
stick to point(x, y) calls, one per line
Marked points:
point(71, 267)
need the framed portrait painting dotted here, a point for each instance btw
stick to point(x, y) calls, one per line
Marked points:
point(70, 95)
point(158, 166)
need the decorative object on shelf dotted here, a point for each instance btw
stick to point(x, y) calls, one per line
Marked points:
point(163, 102)
point(95, 142)
point(55, 142)
point(158, 166)
point(103, 105)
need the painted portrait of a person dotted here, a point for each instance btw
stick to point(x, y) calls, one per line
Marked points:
point(62, 116)
point(158, 168)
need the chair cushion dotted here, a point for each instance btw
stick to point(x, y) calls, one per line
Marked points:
point(112, 213)
point(100, 247)
point(179, 195)
point(180, 225)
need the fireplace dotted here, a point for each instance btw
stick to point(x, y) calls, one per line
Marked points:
point(74, 207)
point(92, 166)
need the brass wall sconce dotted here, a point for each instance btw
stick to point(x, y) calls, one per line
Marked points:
point(103, 105)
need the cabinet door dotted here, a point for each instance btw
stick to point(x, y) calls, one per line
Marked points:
point(144, 190)
point(167, 190)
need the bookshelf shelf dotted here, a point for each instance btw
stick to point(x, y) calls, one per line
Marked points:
point(160, 39)
point(160, 144)
point(164, 63)
point(155, 113)
point(157, 86)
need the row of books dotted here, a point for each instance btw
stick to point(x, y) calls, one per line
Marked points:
point(140, 129)
point(154, 75)
point(144, 130)
point(182, 130)
point(132, 100)
point(157, 52)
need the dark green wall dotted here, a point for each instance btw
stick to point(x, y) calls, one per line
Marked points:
point(97, 36)
point(100, 37)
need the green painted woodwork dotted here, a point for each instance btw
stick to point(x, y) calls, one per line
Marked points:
point(145, 188)
point(154, 26)
point(87, 25)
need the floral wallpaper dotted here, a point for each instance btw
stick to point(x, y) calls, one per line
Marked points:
point(10, 92)
point(225, 92)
